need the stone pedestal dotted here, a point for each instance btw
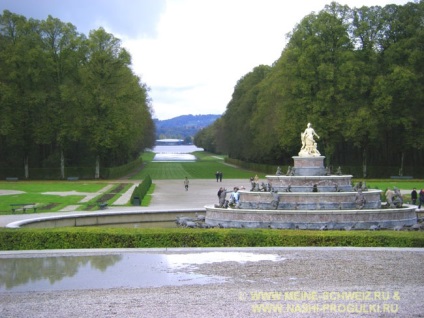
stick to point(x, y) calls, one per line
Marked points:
point(309, 166)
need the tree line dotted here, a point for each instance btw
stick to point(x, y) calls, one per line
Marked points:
point(67, 99)
point(356, 74)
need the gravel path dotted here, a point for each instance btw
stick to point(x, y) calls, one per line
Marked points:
point(305, 282)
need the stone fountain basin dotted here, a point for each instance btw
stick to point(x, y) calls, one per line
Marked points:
point(331, 183)
point(309, 201)
point(311, 219)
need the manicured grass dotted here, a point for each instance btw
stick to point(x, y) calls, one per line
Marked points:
point(35, 192)
point(203, 168)
point(48, 186)
point(384, 184)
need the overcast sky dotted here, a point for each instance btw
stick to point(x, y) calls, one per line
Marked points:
point(191, 53)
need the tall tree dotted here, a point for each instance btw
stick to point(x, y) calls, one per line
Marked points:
point(111, 98)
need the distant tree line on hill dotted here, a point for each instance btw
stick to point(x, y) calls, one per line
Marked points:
point(183, 127)
point(356, 74)
point(67, 99)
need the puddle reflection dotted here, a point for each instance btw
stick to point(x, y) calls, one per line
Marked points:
point(127, 270)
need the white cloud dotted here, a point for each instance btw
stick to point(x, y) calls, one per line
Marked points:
point(203, 47)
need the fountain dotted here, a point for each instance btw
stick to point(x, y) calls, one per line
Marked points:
point(310, 197)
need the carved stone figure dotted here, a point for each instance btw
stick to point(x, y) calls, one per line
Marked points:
point(397, 198)
point(309, 146)
point(223, 203)
point(328, 171)
point(278, 173)
point(389, 198)
point(289, 171)
point(275, 199)
point(360, 199)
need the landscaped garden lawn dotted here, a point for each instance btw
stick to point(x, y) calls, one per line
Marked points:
point(36, 192)
point(204, 167)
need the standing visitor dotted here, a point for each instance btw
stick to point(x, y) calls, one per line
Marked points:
point(217, 176)
point(186, 182)
point(220, 176)
point(414, 196)
point(220, 191)
point(421, 198)
point(220, 204)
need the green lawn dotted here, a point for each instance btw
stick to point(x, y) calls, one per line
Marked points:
point(36, 192)
point(203, 168)
point(46, 186)
point(384, 184)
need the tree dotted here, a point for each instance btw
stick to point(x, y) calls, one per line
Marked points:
point(64, 96)
point(115, 104)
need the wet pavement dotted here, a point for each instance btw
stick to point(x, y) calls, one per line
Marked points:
point(77, 270)
point(213, 282)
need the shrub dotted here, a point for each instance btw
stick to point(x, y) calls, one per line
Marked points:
point(93, 237)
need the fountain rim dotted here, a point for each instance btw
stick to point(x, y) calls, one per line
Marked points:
point(405, 207)
point(22, 223)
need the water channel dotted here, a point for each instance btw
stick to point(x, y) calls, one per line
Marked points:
point(174, 153)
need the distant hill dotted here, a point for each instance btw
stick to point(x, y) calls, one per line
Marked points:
point(183, 126)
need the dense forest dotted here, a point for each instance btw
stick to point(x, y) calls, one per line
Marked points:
point(67, 99)
point(356, 74)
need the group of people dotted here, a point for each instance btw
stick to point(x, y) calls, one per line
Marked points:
point(417, 196)
point(234, 198)
point(218, 176)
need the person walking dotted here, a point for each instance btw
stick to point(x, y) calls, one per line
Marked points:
point(186, 182)
point(414, 196)
point(421, 198)
point(220, 176)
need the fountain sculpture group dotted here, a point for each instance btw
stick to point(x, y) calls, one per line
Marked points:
point(310, 197)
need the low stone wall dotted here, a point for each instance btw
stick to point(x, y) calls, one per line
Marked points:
point(105, 218)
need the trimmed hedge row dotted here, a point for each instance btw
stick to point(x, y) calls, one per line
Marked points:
point(118, 172)
point(92, 237)
point(141, 190)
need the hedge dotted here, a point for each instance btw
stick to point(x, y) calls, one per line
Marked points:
point(141, 190)
point(92, 237)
